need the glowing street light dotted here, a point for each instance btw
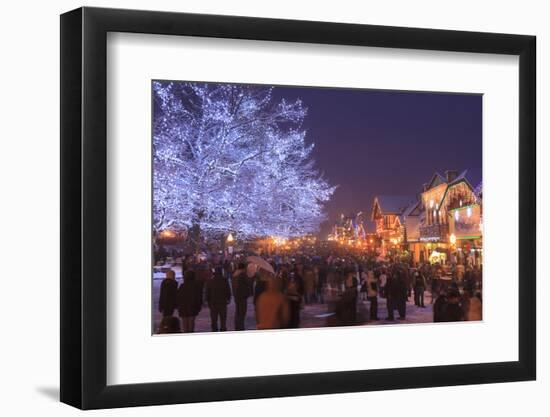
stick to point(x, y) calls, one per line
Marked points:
point(452, 239)
point(167, 234)
point(230, 238)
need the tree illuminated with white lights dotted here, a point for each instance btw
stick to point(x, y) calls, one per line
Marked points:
point(230, 158)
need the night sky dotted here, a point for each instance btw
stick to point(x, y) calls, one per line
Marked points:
point(371, 142)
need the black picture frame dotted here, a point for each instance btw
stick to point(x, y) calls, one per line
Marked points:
point(84, 207)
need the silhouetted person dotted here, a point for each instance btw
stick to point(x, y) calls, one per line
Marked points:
point(419, 288)
point(349, 296)
point(189, 301)
point(241, 291)
point(321, 283)
point(400, 293)
point(372, 294)
point(218, 295)
point(439, 306)
point(310, 283)
point(259, 287)
point(168, 294)
point(452, 311)
point(294, 292)
point(391, 280)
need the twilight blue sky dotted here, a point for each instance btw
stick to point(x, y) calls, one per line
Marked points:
point(373, 142)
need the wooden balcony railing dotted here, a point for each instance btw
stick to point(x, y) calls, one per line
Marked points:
point(434, 232)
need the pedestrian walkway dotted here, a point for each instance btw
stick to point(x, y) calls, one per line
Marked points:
point(312, 315)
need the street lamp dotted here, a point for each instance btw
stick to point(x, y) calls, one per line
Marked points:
point(167, 234)
point(452, 239)
point(230, 239)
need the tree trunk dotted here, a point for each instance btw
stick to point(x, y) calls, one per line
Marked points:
point(195, 235)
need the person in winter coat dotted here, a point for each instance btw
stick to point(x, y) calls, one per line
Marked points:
point(452, 311)
point(218, 295)
point(294, 294)
point(439, 307)
point(310, 283)
point(396, 289)
point(372, 294)
point(382, 280)
point(259, 287)
point(203, 274)
point(189, 301)
point(389, 291)
point(435, 287)
point(350, 295)
point(272, 311)
point(363, 289)
point(321, 273)
point(168, 294)
point(242, 289)
point(419, 288)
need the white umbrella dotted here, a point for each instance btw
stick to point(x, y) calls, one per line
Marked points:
point(260, 263)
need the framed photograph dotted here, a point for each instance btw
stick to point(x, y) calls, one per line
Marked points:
point(259, 208)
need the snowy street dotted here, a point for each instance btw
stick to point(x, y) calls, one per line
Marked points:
point(312, 315)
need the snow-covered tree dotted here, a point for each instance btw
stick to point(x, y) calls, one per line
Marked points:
point(231, 158)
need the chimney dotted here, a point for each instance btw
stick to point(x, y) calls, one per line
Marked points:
point(425, 187)
point(451, 175)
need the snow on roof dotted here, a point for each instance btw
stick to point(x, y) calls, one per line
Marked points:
point(479, 189)
point(461, 177)
point(394, 204)
point(436, 176)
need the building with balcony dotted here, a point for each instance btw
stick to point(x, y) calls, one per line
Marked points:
point(447, 203)
point(388, 216)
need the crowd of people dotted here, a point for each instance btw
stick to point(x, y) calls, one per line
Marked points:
point(280, 286)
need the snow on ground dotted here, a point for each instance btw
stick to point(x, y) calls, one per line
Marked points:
point(313, 315)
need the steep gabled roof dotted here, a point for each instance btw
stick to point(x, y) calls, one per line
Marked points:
point(410, 211)
point(437, 179)
point(457, 180)
point(461, 177)
point(393, 204)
